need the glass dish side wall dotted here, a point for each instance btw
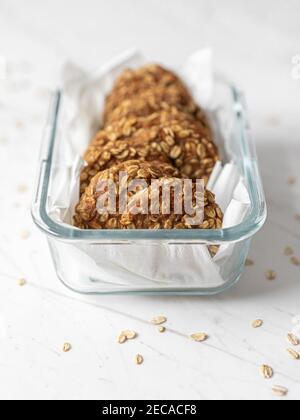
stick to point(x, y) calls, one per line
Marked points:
point(81, 273)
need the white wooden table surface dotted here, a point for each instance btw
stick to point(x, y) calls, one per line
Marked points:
point(254, 43)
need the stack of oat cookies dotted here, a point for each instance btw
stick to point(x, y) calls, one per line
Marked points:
point(152, 130)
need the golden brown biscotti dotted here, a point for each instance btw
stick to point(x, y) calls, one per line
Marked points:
point(87, 215)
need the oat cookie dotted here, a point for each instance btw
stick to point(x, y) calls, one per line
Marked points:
point(167, 136)
point(88, 217)
point(144, 145)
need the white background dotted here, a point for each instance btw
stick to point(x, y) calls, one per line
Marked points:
point(254, 43)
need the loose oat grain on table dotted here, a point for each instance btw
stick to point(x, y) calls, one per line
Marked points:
point(67, 347)
point(22, 282)
point(271, 275)
point(122, 338)
point(295, 260)
point(19, 125)
point(199, 337)
point(266, 371)
point(162, 85)
point(292, 180)
point(129, 334)
point(168, 136)
point(213, 249)
point(159, 320)
point(293, 354)
point(139, 359)
point(87, 215)
point(249, 262)
point(288, 251)
point(25, 234)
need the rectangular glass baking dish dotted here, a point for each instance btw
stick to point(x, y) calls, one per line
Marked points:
point(92, 261)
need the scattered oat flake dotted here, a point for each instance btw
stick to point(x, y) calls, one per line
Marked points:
point(67, 347)
point(139, 359)
point(161, 329)
point(122, 339)
point(266, 371)
point(297, 217)
point(271, 275)
point(213, 249)
point(273, 120)
point(199, 337)
point(280, 391)
point(257, 323)
point(288, 251)
point(292, 180)
point(249, 262)
point(21, 282)
point(25, 234)
point(295, 261)
point(294, 354)
point(3, 140)
point(158, 320)
point(293, 339)
point(22, 188)
point(19, 125)
point(129, 334)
